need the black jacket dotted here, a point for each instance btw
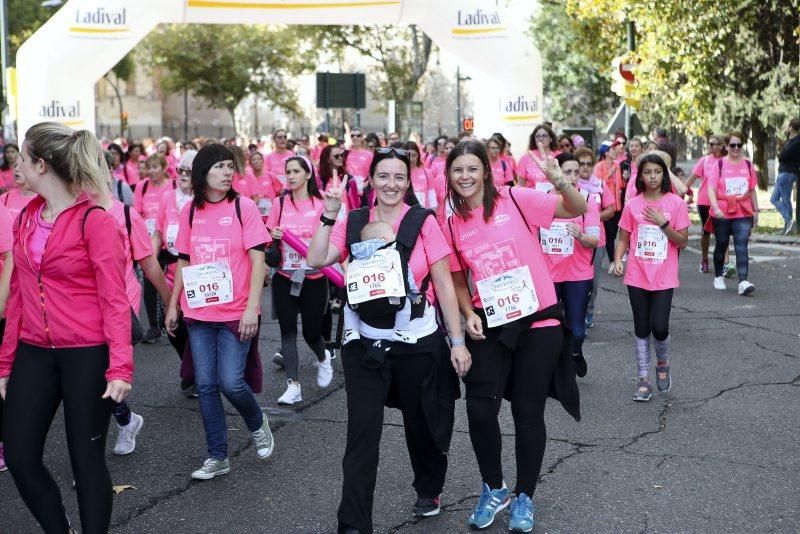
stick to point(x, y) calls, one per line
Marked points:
point(789, 159)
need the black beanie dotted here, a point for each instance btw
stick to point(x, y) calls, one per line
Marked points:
point(207, 157)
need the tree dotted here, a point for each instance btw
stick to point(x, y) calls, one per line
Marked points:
point(24, 18)
point(401, 54)
point(575, 78)
point(226, 63)
point(728, 65)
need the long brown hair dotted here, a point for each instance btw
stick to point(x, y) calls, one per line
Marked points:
point(490, 194)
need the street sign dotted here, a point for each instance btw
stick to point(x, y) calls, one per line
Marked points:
point(336, 90)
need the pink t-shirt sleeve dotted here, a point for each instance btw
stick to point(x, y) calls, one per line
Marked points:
point(272, 219)
point(161, 217)
point(138, 197)
point(681, 217)
point(182, 242)
point(455, 264)
point(713, 177)
point(254, 233)
point(141, 246)
point(592, 216)
point(538, 207)
point(699, 167)
point(626, 221)
point(339, 238)
point(436, 246)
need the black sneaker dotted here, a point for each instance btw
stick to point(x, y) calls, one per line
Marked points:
point(580, 365)
point(426, 506)
point(153, 333)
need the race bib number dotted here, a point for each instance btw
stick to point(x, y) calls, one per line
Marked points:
point(376, 277)
point(292, 260)
point(651, 243)
point(208, 284)
point(151, 226)
point(544, 187)
point(736, 186)
point(556, 240)
point(172, 235)
point(264, 206)
point(508, 296)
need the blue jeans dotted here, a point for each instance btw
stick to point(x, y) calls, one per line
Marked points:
point(219, 361)
point(782, 194)
point(740, 229)
point(575, 296)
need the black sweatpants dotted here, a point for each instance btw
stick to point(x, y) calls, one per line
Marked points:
point(528, 371)
point(650, 312)
point(40, 379)
point(367, 391)
point(311, 303)
point(611, 227)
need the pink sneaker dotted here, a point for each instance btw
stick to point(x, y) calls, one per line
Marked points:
point(3, 466)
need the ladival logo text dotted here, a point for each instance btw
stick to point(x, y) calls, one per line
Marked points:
point(68, 113)
point(519, 109)
point(100, 23)
point(478, 24)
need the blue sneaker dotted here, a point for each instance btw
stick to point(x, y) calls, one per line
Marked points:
point(491, 502)
point(589, 320)
point(521, 519)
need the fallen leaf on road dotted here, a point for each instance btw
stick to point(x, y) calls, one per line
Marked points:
point(120, 489)
point(656, 486)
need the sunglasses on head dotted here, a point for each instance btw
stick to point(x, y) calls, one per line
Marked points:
point(386, 150)
point(735, 145)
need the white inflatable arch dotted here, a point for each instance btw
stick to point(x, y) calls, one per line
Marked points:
point(57, 68)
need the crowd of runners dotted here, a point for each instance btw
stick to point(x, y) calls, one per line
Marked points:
point(417, 264)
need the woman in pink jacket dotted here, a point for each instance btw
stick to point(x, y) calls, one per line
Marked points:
point(65, 338)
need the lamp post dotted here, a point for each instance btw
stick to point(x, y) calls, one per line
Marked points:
point(459, 79)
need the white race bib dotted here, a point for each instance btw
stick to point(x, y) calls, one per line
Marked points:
point(544, 187)
point(736, 186)
point(292, 260)
point(208, 284)
point(265, 206)
point(651, 242)
point(556, 240)
point(172, 235)
point(508, 296)
point(151, 226)
point(376, 277)
point(420, 197)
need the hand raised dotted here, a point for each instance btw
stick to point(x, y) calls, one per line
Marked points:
point(548, 164)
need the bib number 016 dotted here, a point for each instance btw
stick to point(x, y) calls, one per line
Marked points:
point(374, 277)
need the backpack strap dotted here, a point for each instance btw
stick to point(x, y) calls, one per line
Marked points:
point(411, 226)
point(191, 214)
point(356, 220)
point(145, 186)
point(86, 216)
point(174, 184)
point(128, 220)
point(511, 194)
point(5, 199)
point(119, 191)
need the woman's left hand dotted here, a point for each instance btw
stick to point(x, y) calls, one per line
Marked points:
point(248, 325)
point(655, 215)
point(461, 360)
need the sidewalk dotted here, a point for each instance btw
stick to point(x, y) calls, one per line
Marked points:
point(793, 239)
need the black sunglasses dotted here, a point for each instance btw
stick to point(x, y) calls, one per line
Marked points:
point(356, 135)
point(735, 145)
point(337, 156)
point(386, 150)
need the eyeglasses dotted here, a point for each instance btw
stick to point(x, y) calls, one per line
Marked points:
point(566, 146)
point(386, 150)
point(280, 137)
point(584, 163)
point(541, 136)
point(714, 144)
point(356, 135)
point(183, 171)
point(735, 145)
point(337, 156)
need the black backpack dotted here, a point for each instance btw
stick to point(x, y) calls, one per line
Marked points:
point(380, 313)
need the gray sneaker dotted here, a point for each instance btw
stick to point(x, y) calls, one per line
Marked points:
point(663, 378)
point(644, 391)
point(277, 359)
point(212, 468)
point(263, 440)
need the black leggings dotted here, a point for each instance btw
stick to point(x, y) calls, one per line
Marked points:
point(650, 312)
point(611, 227)
point(152, 301)
point(311, 304)
point(2, 332)
point(529, 370)
point(40, 379)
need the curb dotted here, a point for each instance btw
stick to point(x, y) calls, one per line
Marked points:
point(695, 231)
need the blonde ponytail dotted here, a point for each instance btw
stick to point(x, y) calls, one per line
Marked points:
point(74, 156)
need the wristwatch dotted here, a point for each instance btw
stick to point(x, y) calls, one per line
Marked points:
point(326, 221)
point(664, 226)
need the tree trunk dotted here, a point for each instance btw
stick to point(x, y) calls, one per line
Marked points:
point(759, 136)
point(232, 111)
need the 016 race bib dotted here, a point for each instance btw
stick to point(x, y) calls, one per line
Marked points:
point(208, 284)
point(376, 277)
point(508, 296)
point(651, 242)
point(556, 240)
point(292, 260)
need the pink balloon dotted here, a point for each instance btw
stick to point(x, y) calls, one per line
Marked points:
point(296, 243)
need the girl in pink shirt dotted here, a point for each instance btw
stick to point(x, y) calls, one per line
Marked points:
point(569, 247)
point(372, 371)
point(16, 198)
point(218, 282)
point(165, 149)
point(654, 226)
point(529, 173)
point(511, 314)
point(10, 156)
point(734, 210)
point(501, 170)
point(702, 170)
point(6, 266)
point(295, 286)
point(243, 182)
point(268, 187)
point(423, 190)
point(276, 160)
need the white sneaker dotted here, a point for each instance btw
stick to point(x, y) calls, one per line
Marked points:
point(324, 371)
point(746, 288)
point(263, 440)
point(292, 393)
point(126, 439)
point(719, 282)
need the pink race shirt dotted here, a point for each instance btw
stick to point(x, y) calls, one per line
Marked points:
point(168, 223)
point(146, 199)
point(648, 273)
point(275, 165)
point(504, 243)
point(132, 170)
point(529, 171)
point(245, 185)
point(703, 170)
point(502, 173)
point(434, 247)
point(6, 236)
point(217, 236)
point(301, 218)
point(15, 201)
point(358, 162)
point(577, 266)
point(733, 187)
point(425, 193)
point(594, 188)
point(137, 247)
point(7, 178)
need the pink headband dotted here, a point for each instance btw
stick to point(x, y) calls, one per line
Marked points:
point(308, 162)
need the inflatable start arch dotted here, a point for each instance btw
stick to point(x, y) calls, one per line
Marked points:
point(57, 68)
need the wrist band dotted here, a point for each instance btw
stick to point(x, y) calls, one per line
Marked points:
point(326, 221)
point(664, 226)
point(456, 342)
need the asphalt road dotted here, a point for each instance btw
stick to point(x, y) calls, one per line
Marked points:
point(718, 453)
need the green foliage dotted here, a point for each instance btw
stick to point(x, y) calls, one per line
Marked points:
point(24, 18)
point(226, 63)
point(125, 67)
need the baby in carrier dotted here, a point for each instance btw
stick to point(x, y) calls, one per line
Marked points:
point(374, 236)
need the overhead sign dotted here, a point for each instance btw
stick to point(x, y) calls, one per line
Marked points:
point(337, 90)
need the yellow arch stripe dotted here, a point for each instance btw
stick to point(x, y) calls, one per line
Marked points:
point(522, 117)
point(473, 31)
point(273, 5)
point(87, 29)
